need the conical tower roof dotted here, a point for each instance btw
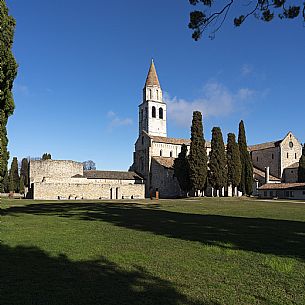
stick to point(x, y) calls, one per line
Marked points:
point(152, 77)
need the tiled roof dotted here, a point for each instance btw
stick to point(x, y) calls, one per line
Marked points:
point(93, 174)
point(260, 173)
point(152, 77)
point(170, 140)
point(264, 145)
point(283, 186)
point(165, 161)
point(176, 141)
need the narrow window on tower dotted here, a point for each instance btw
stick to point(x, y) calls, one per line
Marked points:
point(171, 154)
point(295, 155)
point(157, 94)
point(149, 91)
point(160, 113)
point(153, 111)
point(161, 153)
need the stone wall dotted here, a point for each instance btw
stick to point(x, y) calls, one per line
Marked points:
point(282, 194)
point(86, 189)
point(290, 175)
point(57, 169)
point(164, 180)
point(267, 157)
point(290, 155)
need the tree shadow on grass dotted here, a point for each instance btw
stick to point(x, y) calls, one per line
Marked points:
point(270, 236)
point(29, 276)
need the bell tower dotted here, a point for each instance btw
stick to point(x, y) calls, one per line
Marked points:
point(152, 111)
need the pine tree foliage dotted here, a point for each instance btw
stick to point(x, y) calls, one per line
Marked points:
point(233, 161)
point(218, 163)
point(182, 170)
point(24, 171)
point(246, 182)
point(301, 169)
point(14, 176)
point(198, 155)
point(8, 72)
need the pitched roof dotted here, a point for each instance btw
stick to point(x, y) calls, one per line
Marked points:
point(165, 161)
point(283, 186)
point(264, 145)
point(152, 77)
point(176, 141)
point(259, 173)
point(170, 140)
point(93, 174)
point(294, 165)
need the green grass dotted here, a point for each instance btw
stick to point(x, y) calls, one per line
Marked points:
point(195, 251)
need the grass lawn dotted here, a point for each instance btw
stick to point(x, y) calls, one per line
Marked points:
point(197, 251)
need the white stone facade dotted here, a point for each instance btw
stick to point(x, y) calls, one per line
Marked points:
point(281, 157)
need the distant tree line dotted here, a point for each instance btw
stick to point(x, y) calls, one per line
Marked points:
point(224, 167)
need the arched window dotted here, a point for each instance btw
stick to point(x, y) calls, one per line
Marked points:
point(153, 111)
point(161, 153)
point(149, 92)
point(160, 113)
point(142, 140)
point(171, 154)
point(157, 94)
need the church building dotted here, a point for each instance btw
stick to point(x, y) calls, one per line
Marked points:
point(155, 152)
point(274, 163)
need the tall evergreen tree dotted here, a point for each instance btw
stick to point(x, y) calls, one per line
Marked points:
point(301, 169)
point(182, 170)
point(46, 156)
point(6, 181)
point(14, 176)
point(8, 72)
point(198, 155)
point(218, 163)
point(24, 171)
point(246, 182)
point(21, 185)
point(233, 162)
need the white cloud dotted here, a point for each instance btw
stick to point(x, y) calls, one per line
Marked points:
point(216, 101)
point(116, 121)
point(246, 69)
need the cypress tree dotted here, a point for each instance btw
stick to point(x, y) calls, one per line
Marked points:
point(301, 169)
point(21, 185)
point(46, 156)
point(6, 187)
point(24, 171)
point(182, 170)
point(233, 162)
point(246, 182)
point(218, 163)
point(198, 155)
point(14, 177)
point(8, 72)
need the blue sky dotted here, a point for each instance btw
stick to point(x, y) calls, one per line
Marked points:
point(82, 68)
